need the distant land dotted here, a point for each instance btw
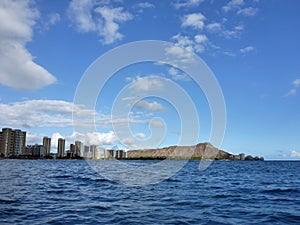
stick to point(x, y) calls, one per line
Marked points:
point(201, 151)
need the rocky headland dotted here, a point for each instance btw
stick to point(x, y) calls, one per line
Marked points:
point(201, 151)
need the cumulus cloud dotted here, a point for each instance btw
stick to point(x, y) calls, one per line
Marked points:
point(250, 11)
point(247, 49)
point(17, 68)
point(194, 20)
point(36, 113)
point(150, 106)
point(145, 84)
point(92, 16)
point(295, 154)
point(187, 3)
point(55, 113)
point(233, 4)
point(181, 57)
point(197, 44)
point(92, 138)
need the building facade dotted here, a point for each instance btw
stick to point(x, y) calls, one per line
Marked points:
point(47, 144)
point(61, 148)
point(36, 151)
point(12, 142)
point(79, 148)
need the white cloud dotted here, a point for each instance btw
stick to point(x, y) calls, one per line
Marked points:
point(233, 4)
point(295, 154)
point(145, 84)
point(151, 106)
point(36, 113)
point(234, 33)
point(296, 83)
point(177, 75)
point(32, 138)
point(194, 45)
point(140, 135)
point(194, 20)
point(200, 38)
point(214, 27)
point(89, 16)
point(291, 92)
point(157, 123)
point(187, 3)
point(180, 57)
point(247, 49)
point(250, 11)
point(92, 138)
point(128, 141)
point(96, 138)
point(53, 19)
point(54, 113)
point(144, 5)
point(109, 30)
point(17, 68)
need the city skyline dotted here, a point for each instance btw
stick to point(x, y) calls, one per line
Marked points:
point(251, 47)
point(13, 145)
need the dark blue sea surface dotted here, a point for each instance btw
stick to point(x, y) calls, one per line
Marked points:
point(70, 192)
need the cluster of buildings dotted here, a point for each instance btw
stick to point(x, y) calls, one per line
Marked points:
point(13, 145)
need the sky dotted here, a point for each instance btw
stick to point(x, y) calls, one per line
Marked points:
point(252, 48)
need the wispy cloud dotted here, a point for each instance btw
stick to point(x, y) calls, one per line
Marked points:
point(296, 83)
point(17, 67)
point(90, 16)
point(247, 49)
point(187, 3)
point(233, 4)
point(250, 11)
point(150, 106)
point(178, 75)
point(52, 19)
point(144, 5)
point(293, 91)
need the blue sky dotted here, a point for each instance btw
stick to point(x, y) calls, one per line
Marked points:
point(252, 47)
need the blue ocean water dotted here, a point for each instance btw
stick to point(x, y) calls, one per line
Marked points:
point(70, 192)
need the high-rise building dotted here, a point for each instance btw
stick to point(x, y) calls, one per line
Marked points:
point(95, 152)
point(61, 148)
point(79, 148)
point(109, 153)
point(12, 142)
point(47, 144)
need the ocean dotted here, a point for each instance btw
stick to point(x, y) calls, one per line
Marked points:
point(227, 192)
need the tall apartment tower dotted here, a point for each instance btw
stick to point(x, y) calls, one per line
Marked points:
point(47, 145)
point(61, 148)
point(79, 148)
point(12, 142)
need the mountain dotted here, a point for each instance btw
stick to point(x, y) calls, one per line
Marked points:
point(204, 151)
